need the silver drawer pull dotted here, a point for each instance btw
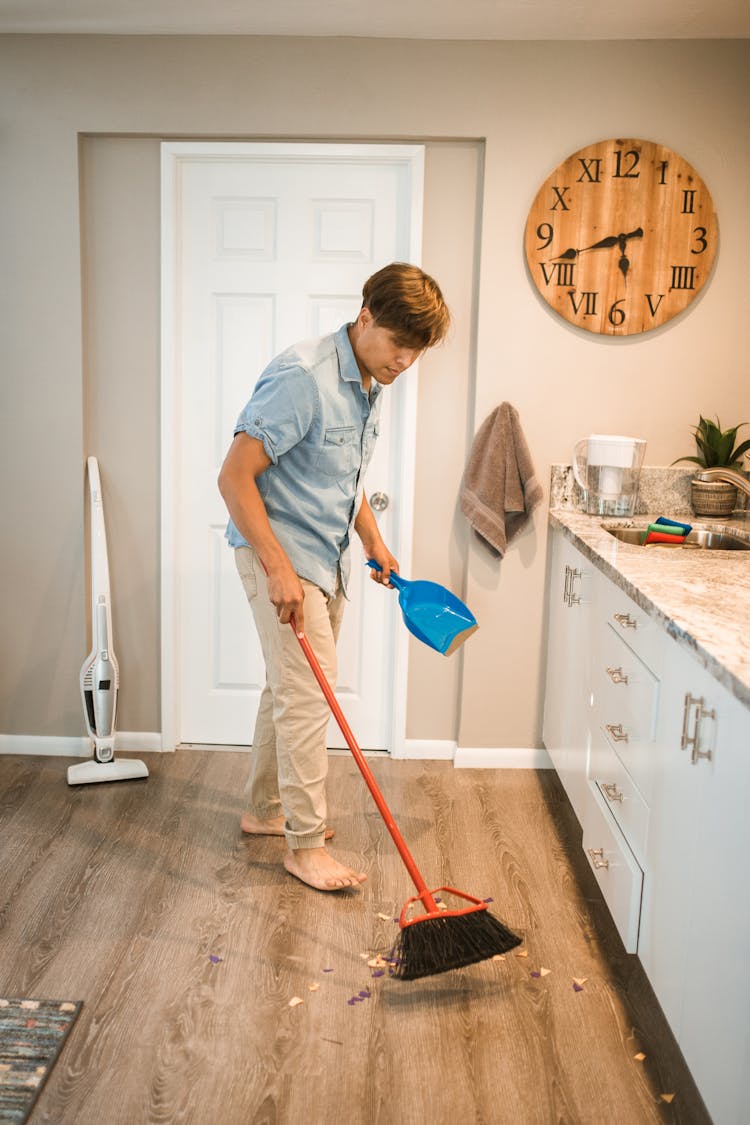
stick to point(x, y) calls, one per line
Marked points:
point(570, 597)
point(616, 731)
point(626, 620)
point(597, 857)
point(611, 792)
point(617, 676)
point(696, 706)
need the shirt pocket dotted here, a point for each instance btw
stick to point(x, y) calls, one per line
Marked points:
point(340, 453)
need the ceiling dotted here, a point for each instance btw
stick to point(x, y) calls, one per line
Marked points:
point(386, 19)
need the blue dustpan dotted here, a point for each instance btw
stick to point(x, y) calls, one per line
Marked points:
point(432, 614)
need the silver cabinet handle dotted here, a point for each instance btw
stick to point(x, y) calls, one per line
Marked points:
point(692, 741)
point(626, 621)
point(566, 591)
point(611, 792)
point(685, 740)
point(597, 858)
point(617, 676)
point(616, 731)
point(573, 598)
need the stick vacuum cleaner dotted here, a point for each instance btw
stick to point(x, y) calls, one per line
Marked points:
point(100, 676)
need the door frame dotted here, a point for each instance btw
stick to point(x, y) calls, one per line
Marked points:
point(173, 155)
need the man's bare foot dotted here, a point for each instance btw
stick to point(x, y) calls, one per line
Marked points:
point(274, 826)
point(317, 868)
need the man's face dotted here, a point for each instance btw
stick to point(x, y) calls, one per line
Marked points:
point(378, 353)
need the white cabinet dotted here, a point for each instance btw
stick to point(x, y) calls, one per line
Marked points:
point(566, 703)
point(698, 891)
point(654, 754)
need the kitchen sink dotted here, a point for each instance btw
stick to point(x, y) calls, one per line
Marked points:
point(700, 539)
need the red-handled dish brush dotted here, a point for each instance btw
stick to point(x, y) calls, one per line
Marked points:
point(439, 939)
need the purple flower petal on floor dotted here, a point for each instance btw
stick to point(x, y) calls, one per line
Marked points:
point(214, 959)
point(379, 973)
point(577, 987)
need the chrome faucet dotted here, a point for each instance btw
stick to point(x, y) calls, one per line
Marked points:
point(731, 476)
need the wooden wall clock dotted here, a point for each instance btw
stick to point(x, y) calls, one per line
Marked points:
point(621, 237)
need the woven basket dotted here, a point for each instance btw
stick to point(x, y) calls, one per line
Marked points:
point(713, 498)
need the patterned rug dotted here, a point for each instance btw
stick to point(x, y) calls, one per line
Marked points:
point(32, 1034)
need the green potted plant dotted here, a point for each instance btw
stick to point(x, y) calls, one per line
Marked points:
point(717, 449)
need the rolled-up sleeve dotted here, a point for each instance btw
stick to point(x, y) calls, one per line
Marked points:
point(280, 411)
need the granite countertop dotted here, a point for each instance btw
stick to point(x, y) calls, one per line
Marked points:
point(701, 597)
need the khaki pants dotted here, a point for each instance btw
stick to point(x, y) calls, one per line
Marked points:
point(289, 759)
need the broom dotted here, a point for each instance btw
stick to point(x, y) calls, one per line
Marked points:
point(438, 939)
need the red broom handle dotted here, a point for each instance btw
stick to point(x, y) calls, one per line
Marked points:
point(365, 770)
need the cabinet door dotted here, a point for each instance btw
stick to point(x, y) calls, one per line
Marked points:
point(567, 696)
point(694, 941)
point(713, 1034)
point(672, 841)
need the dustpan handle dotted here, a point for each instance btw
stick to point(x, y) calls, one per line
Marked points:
point(365, 770)
point(395, 579)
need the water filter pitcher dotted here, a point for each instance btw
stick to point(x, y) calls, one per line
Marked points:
point(608, 469)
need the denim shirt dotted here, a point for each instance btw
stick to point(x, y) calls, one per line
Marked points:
point(318, 427)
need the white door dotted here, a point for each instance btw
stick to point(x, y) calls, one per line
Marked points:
point(265, 245)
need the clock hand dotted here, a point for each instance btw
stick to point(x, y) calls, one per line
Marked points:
point(603, 244)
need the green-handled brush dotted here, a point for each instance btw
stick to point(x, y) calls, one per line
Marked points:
point(436, 940)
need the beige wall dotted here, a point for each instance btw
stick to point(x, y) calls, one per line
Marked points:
point(531, 104)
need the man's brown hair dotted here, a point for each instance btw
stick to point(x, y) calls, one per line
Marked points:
point(408, 302)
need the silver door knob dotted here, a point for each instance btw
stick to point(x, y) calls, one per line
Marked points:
point(379, 501)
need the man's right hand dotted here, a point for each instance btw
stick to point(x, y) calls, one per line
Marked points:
point(243, 464)
point(287, 596)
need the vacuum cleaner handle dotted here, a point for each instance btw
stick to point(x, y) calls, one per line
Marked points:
point(365, 770)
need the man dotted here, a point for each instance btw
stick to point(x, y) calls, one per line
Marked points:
point(293, 485)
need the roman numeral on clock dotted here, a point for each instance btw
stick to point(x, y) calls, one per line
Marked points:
point(591, 170)
point(683, 277)
point(559, 272)
point(586, 301)
point(560, 194)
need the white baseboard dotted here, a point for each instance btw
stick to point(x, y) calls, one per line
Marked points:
point(506, 757)
point(518, 758)
point(71, 747)
point(428, 748)
point(140, 742)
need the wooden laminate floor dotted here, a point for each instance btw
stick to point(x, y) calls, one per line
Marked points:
point(186, 943)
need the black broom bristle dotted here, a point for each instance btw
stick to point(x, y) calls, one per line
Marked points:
point(436, 944)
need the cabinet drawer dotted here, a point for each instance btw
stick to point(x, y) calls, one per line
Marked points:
point(616, 869)
point(625, 700)
point(621, 796)
point(642, 633)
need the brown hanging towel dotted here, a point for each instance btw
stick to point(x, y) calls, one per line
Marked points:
point(500, 489)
